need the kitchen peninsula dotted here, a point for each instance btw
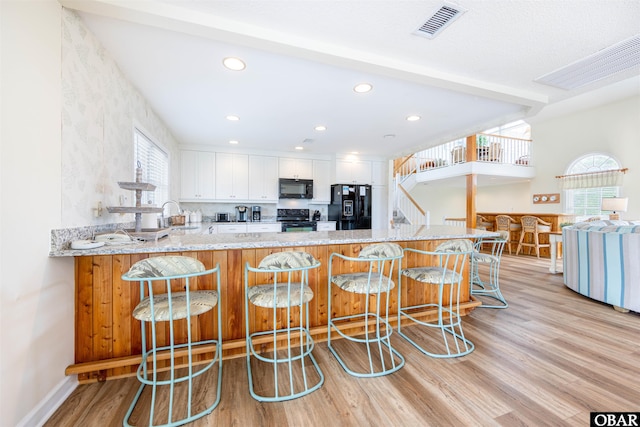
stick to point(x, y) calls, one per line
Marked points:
point(107, 338)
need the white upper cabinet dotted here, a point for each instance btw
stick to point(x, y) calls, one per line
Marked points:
point(197, 173)
point(296, 168)
point(379, 173)
point(353, 172)
point(263, 178)
point(322, 181)
point(232, 176)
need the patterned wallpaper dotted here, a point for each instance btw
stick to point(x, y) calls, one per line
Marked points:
point(99, 110)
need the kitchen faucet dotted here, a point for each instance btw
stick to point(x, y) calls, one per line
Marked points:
point(164, 222)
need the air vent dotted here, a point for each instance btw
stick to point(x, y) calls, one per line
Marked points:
point(441, 19)
point(602, 64)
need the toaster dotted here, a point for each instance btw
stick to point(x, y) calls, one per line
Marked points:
point(222, 217)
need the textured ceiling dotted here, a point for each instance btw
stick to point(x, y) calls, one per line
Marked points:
point(303, 58)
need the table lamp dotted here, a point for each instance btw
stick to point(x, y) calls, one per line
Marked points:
point(614, 204)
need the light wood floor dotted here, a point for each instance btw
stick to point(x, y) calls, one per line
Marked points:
point(549, 359)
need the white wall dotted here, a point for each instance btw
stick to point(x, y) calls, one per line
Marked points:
point(99, 110)
point(613, 129)
point(64, 147)
point(36, 291)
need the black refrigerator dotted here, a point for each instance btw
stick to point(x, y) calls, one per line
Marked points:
point(350, 206)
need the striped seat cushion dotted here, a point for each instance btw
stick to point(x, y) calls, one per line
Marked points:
point(433, 275)
point(200, 302)
point(359, 283)
point(263, 295)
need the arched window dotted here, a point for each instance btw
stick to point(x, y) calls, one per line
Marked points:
point(585, 202)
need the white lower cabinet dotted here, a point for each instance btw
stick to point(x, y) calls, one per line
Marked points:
point(247, 227)
point(326, 226)
point(272, 227)
point(234, 227)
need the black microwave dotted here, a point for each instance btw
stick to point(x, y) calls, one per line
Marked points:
point(290, 188)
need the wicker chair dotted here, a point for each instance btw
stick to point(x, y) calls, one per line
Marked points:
point(508, 224)
point(534, 226)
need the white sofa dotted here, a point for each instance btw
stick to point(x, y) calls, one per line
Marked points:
point(602, 261)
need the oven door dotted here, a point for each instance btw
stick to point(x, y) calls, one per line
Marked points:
point(299, 226)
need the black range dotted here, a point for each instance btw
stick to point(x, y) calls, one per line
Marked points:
point(296, 220)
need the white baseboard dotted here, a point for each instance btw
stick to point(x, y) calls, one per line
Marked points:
point(52, 401)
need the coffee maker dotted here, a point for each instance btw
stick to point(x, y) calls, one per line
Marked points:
point(255, 213)
point(242, 213)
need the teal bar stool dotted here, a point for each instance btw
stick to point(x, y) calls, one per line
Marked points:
point(444, 270)
point(376, 265)
point(281, 284)
point(168, 296)
point(488, 253)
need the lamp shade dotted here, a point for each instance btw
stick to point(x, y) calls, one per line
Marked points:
point(614, 204)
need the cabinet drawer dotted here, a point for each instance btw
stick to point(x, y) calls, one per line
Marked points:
point(264, 228)
point(232, 228)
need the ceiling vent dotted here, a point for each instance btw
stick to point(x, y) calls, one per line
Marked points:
point(602, 64)
point(439, 20)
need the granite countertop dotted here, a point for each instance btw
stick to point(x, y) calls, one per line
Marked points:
point(182, 240)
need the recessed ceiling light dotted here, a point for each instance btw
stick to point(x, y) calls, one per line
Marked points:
point(233, 141)
point(232, 118)
point(234, 64)
point(413, 118)
point(390, 136)
point(362, 87)
point(299, 148)
point(320, 128)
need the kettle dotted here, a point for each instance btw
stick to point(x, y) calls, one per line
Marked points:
point(316, 215)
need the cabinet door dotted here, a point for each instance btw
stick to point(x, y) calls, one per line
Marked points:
point(263, 178)
point(380, 208)
point(379, 173)
point(322, 181)
point(295, 168)
point(232, 179)
point(350, 172)
point(361, 172)
point(326, 226)
point(197, 175)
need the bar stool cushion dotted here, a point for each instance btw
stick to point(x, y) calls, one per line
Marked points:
point(455, 245)
point(201, 302)
point(287, 260)
point(262, 295)
point(488, 258)
point(359, 282)
point(430, 274)
point(381, 250)
point(165, 267)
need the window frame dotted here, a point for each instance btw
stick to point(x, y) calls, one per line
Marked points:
point(593, 194)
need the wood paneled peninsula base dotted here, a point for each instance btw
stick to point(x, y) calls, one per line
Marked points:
point(556, 220)
point(107, 337)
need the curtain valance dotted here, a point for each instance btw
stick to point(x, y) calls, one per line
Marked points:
point(609, 178)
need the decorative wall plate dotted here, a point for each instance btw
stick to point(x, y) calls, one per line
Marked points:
point(546, 198)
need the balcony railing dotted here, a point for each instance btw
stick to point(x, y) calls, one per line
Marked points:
point(489, 148)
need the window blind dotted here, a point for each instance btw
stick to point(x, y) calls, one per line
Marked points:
point(154, 162)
